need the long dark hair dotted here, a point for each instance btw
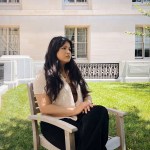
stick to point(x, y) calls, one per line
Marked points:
point(52, 70)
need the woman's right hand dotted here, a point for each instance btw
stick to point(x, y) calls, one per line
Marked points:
point(86, 105)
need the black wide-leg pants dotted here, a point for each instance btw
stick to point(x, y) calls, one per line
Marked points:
point(92, 131)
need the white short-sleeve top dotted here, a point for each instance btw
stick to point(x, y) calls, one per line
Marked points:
point(65, 96)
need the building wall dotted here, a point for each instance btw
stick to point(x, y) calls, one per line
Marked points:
point(107, 24)
point(40, 5)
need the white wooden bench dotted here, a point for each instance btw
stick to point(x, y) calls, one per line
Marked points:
point(117, 141)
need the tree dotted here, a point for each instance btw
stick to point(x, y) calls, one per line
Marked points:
point(145, 13)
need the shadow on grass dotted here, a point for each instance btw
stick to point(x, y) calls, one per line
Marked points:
point(137, 130)
point(138, 86)
point(16, 135)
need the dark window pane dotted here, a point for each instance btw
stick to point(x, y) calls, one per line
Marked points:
point(136, 0)
point(81, 50)
point(14, 1)
point(147, 53)
point(69, 0)
point(81, 0)
point(146, 0)
point(138, 53)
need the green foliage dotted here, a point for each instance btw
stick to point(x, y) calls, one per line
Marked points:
point(138, 33)
point(145, 13)
point(133, 98)
point(142, 11)
point(15, 128)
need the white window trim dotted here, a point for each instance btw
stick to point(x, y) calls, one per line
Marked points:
point(76, 3)
point(10, 2)
point(7, 28)
point(10, 5)
point(80, 60)
point(143, 50)
point(140, 3)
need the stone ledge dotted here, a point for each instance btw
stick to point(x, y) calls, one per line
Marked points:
point(3, 89)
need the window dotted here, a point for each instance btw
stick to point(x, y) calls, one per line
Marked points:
point(10, 4)
point(79, 38)
point(75, 1)
point(141, 1)
point(9, 41)
point(9, 1)
point(142, 42)
point(76, 4)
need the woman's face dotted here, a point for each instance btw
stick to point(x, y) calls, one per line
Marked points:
point(64, 53)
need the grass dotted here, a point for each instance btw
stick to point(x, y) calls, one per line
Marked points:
point(133, 98)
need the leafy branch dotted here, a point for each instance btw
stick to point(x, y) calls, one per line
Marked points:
point(144, 12)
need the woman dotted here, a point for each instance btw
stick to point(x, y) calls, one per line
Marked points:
point(62, 92)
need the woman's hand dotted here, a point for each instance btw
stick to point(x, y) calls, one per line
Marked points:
point(83, 107)
point(88, 108)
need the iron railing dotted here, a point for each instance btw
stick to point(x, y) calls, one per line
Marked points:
point(99, 70)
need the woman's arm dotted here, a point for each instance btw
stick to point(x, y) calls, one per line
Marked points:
point(46, 107)
point(88, 98)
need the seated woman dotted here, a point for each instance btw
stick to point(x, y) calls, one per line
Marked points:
point(62, 92)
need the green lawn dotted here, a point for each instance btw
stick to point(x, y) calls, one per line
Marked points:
point(133, 98)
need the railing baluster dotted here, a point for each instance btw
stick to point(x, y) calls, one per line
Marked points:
point(99, 70)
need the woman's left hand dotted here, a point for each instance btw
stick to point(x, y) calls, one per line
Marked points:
point(88, 108)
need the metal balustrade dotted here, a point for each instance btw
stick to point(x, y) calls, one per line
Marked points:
point(99, 70)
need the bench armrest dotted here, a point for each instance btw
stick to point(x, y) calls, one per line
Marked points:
point(54, 121)
point(116, 112)
point(119, 115)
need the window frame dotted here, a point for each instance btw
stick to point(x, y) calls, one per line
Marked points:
point(11, 5)
point(9, 2)
point(77, 5)
point(142, 2)
point(143, 43)
point(76, 42)
point(8, 40)
point(76, 2)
